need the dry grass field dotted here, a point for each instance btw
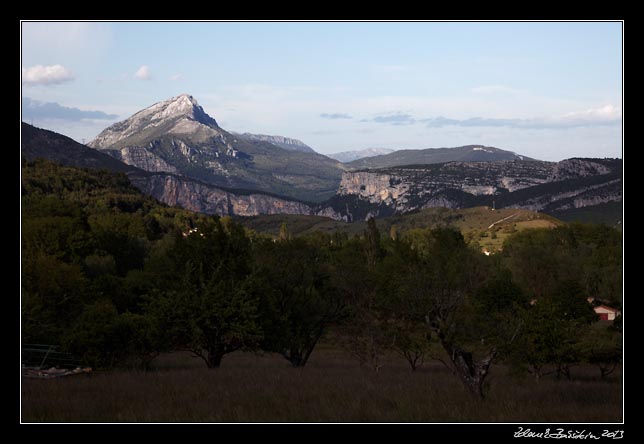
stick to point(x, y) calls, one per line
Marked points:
point(331, 388)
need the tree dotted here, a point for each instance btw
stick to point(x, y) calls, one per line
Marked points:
point(297, 301)
point(496, 306)
point(372, 247)
point(541, 259)
point(574, 314)
point(284, 233)
point(445, 274)
point(540, 339)
point(210, 310)
point(600, 261)
point(53, 294)
point(356, 270)
point(210, 318)
point(603, 348)
point(412, 341)
point(367, 333)
point(554, 327)
point(103, 338)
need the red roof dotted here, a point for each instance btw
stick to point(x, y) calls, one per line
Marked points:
point(614, 310)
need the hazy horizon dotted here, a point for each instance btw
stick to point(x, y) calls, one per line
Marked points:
point(545, 90)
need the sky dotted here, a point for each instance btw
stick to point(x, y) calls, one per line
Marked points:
point(547, 90)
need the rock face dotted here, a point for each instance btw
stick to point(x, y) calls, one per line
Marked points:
point(177, 136)
point(374, 187)
point(575, 168)
point(471, 177)
point(534, 185)
point(143, 158)
point(204, 198)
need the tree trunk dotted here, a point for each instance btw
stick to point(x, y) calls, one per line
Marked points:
point(471, 373)
point(413, 359)
point(295, 358)
point(563, 369)
point(299, 356)
point(214, 358)
point(607, 369)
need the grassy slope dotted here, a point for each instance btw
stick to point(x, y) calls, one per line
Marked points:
point(331, 388)
point(471, 221)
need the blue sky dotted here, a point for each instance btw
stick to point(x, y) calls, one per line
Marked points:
point(545, 90)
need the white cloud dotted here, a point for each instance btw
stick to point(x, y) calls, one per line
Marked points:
point(46, 75)
point(604, 113)
point(143, 73)
point(176, 77)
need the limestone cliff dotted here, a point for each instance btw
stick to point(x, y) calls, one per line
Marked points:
point(534, 185)
point(574, 168)
point(205, 198)
point(143, 158)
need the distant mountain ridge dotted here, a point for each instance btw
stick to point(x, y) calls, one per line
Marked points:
point(283, 142)
point(467, 153)
point(177, 136)
point(349, 156)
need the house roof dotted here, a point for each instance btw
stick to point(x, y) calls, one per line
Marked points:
point(605, 307)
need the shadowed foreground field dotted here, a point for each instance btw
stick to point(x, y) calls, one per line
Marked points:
point(332, 388)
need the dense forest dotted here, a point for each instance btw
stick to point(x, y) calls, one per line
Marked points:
point(116, 278)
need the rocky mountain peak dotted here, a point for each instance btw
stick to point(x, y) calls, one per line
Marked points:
point(176, 106)
point(183, 105)
point(179, 115)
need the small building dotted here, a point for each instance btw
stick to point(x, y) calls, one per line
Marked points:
point(606, 313)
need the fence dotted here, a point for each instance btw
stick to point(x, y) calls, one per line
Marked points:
point(46, 356)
